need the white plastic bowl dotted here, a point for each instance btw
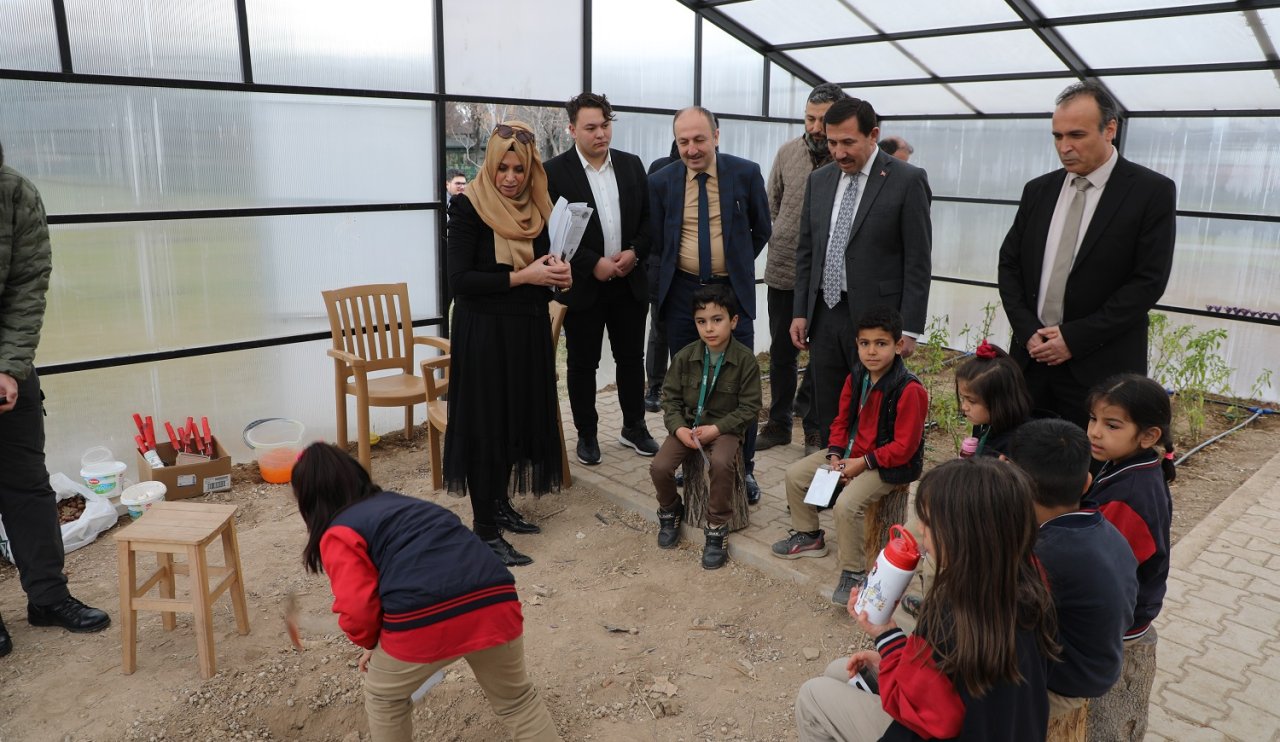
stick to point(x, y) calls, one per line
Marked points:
point(139, 497)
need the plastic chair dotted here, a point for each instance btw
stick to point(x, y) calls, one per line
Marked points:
point(373, 331)
point(437, 413)
point(558, 311)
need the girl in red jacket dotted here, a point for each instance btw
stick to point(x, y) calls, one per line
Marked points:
point(418, 591)
point(974, 669)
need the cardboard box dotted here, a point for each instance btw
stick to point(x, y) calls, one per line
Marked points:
point(188, 480)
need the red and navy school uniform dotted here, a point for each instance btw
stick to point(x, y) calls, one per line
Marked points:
point(926, 705)
point(889, 427)
point(406, 574)
point(1134, 496)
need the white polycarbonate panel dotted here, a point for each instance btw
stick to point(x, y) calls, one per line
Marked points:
point(374, 44)
point(660, 32)
point(1225, 263)
point(1013, 96)
point(1227, 165)
point(92, 408)
point(892, 16)
point(792, 21)
point(959, 307)
point(991, 158)
point(757, 141)
point(137, 287)
point(187, 39)
point(858, 62)
point(646, 135)
point(787, 93)
point(732, 74)
point(513, 50)
point(970, 54)
point(1197, 90)
point(967, 237)
point(1060, 8)
point(1219, 37)
point(104, 148)
point(28, 36)
point(907, 100)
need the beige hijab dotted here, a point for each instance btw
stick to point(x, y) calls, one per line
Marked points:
point(515, 221)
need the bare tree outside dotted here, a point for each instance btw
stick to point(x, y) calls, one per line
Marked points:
point(468, 125)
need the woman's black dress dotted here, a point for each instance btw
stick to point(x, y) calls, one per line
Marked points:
point(502, 435)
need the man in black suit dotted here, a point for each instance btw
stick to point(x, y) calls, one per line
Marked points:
point(610, 290)
point(866, 240)
point(710, 219)
point(1088, 255)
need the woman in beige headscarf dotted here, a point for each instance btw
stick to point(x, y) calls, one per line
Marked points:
point(502, 435)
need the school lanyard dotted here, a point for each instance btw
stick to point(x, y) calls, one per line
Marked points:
point(862, 401)
point(982, 442)
point(704, 388)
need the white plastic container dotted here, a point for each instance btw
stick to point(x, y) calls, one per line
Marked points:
point(890, 576)
point(140, 497)
point(277, 443)
point(103, 477)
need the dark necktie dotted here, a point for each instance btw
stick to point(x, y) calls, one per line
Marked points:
point(704, 229)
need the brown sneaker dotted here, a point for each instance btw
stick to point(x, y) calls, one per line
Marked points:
point(812, 443)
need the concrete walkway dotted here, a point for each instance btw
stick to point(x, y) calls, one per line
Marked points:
point(1218, 674)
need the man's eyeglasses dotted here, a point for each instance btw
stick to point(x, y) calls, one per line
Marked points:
point(506, 132)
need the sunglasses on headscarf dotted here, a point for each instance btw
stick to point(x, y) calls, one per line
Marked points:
point(506, 132)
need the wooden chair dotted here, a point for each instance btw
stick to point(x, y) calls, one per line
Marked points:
point(372, 331)
point(437, 413)
point(558, 311)
point(170, 528)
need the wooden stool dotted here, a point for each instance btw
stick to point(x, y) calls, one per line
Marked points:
point(697, 493)
point(170, 528)
point(1072, 726)
point(890, 509)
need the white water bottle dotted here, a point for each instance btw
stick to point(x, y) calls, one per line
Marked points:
point(890, 576)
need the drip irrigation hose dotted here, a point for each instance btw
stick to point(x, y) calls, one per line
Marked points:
point(1257, 413)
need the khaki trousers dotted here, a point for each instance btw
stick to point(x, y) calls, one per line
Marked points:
point(828, 708)
point(500, 671)
point(861, 491)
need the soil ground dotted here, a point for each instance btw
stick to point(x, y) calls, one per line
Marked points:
point(627, 642)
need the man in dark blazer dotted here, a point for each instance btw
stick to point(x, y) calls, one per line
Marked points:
point(866, 240)
point(715, 240)
point(1088, 255)
point(610, 289)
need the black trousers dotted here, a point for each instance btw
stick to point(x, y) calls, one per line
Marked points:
point(1056, 388)
point(655, 356)
point(783, 369)
point(27, 502)
point(833, 351)
point(617, 311)
point(677, 315)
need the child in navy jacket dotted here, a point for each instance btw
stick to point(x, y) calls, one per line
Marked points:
point(417, 590)
point(1129, 415)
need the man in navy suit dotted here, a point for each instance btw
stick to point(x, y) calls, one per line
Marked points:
point(710, 219)
point(610, 290)
point(1088, 255)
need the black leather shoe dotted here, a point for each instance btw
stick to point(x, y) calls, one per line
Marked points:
point(70, 614)
point(669, 526)
point(6, 644)
point(588, 450)
point(753, 489)
point(653, 400)
point(639, 439)
point(507, 553)
point(679, 477)
point(715, 553)
point(773, 435)
point(508, 519)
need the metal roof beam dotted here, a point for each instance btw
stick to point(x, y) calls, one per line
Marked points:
point(707, 11)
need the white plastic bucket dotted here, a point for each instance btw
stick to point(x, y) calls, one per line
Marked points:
point(141, 496)
point(103, 477)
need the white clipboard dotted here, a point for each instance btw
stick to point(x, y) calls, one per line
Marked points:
point(823, 487)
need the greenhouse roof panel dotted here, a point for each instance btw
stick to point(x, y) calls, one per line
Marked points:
point(792, 21)
point(1193, 39)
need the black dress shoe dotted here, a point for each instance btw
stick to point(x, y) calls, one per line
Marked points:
point(588, 450)
point(70, 614)
point(6, 644)
point(507, 553)
point(753, 489)
point(639, 439)
point(508, 519)
point(653, 400)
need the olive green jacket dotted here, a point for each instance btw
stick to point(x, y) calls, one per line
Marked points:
point(734, 401)
point(25, 263)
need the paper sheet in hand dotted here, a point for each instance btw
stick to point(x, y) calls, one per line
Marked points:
point(822, 487)
point(421, 692)
point(566, 226)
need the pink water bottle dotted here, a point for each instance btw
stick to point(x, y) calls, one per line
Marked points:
point(890, 576)
point(968, 447)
